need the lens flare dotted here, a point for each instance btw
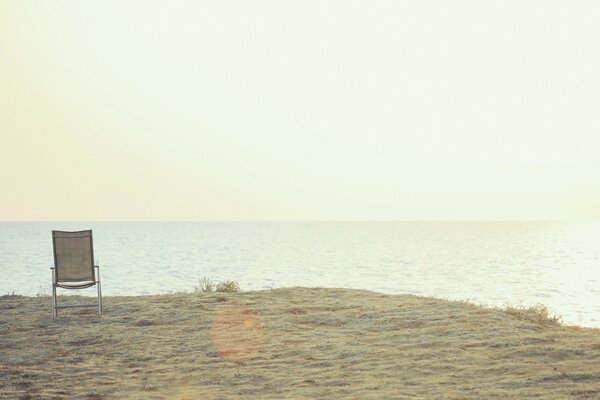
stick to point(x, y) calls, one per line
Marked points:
point(237, 332)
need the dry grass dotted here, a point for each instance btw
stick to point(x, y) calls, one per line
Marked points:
point(292, 344)
point(206, 285)
point(538, 314)
point(9, 296)
point(228, 287)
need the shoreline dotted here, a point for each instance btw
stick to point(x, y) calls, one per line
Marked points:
point(291, 343)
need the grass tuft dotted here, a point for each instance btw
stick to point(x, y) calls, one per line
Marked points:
point(207, 285)
point(10, 296)
point(42, 292)
point(538, 314)
point(228, 286)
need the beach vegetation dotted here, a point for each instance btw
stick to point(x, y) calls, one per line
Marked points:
point(228, 286)
point(207, 285)
point(43, 292)
point(10, 295)
point(538, 314)
point(295, 343)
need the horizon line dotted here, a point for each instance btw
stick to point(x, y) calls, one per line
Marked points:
point(303, 220)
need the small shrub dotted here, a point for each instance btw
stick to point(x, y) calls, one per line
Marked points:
point(205, 285)
point(538, 314)
point(228, 286)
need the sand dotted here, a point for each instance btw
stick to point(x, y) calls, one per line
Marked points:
point(290, 343)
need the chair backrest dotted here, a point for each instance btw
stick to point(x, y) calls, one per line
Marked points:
point(73, 256)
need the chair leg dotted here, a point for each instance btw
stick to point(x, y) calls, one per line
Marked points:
point(99, 299)
point(54, 303)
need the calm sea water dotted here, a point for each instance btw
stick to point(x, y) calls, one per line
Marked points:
point(494, 263)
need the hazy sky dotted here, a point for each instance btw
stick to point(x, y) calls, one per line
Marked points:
point(309, 110)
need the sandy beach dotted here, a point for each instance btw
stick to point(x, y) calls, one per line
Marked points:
point(291, 343)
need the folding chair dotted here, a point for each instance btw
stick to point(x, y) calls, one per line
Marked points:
point(74, 266)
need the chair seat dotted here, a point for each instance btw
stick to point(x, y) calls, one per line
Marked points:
point(75, 285)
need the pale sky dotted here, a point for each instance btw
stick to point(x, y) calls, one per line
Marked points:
point(299, 110)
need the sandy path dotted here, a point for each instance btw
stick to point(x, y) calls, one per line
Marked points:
point(290, 343)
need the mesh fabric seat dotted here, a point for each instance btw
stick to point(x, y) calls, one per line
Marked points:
point(74, 266)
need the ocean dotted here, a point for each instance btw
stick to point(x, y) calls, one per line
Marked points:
point(492, 263)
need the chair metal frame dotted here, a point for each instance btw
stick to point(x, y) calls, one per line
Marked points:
point(95, 273)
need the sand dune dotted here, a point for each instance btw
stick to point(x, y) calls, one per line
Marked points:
point(290, 343)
